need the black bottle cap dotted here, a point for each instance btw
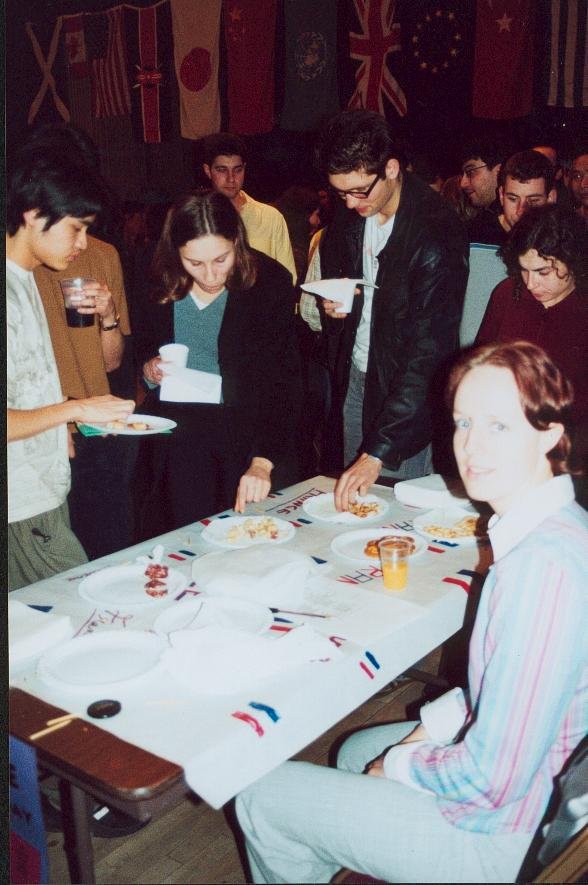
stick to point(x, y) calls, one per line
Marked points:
point(103, 709)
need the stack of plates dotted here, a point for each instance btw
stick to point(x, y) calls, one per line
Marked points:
point(432, 491)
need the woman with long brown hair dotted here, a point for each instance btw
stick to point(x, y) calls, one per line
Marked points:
point(233, 308)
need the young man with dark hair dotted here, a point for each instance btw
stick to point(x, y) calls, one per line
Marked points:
point(480, 164)
point(578, 180)
point(411, 247)
point(51, 201)
point(224, 158)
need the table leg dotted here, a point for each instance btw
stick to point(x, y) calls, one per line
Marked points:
point(76, 810)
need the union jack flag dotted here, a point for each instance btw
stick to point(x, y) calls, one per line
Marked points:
point(379, 37)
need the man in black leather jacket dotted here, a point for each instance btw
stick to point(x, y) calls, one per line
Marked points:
point(404, 238)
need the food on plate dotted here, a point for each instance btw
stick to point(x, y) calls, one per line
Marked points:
point(157, 574)
point(372, 547)
point(363, 509)
point(254, 528)
point(468, 527)
point(131, 425)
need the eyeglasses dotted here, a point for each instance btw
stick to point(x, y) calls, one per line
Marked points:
point(469, 170)
point(358, 195)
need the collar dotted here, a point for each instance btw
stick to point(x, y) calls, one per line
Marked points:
point(20, 272)
point(536, 506)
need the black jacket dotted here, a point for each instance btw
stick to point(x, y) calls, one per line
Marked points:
point(257, 356)
point(416, 310)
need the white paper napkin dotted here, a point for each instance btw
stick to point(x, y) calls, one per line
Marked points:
point(219, 660)
point(31, 632)
point(191, 386)
point(270, 575)
point(339, 289)
point(431, 491)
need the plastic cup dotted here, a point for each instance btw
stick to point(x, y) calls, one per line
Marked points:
point(74, 297)
point(175, 355)
point(394, 554)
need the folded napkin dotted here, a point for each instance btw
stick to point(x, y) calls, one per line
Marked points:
point(190, 386)
point(431, 491)
point(339, 289)
point(31, 632)
point(270, 575)
point(219, 660)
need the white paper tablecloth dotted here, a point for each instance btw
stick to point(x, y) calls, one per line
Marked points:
point(226, 742)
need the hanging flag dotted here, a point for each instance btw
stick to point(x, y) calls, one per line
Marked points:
point(106, 51)
point(250, 40)
point(75, 45)
point(310, 88)
point(434, 62)
point(48, 83)
point(379, 36)
point(568, 54)
point(151, 73)
point(196, 32)
point(503, 59)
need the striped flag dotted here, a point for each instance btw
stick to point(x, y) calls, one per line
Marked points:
point(568, 47)
point(106, 51)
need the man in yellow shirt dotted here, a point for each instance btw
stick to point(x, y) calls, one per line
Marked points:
point(224, 164)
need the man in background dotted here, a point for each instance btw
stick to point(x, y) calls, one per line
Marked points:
point(224, 161)
point(481, 162)
point(578, 181)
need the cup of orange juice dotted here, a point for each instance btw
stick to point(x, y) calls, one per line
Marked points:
point(394, 554)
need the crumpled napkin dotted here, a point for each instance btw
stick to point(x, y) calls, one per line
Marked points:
point(339, 289)
point(31, 632)
point(270, 575)
point(190, 386)
point(220, 660)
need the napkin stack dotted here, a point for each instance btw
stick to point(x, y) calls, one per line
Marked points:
point(431, 491)
point(31, 632)
point(190, 386)
point(270, 575)
point(218, 660)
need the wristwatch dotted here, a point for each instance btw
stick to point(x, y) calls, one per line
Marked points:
point(111, 326)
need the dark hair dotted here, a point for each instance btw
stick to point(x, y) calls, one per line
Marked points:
point(357, 140)
point(554, 232)
point(224, 143)
point(491, 152)
point(579, 149)
point(192, 217)
point(455, 196)
point(53, 184)
point(527, 165)
point(65, 138)
point(545, 393)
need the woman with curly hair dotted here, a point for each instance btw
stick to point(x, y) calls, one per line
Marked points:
point(545, 298)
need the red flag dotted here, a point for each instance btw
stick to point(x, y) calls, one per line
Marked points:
point(106, 49)
point(503, 61)
point(379, 37)
point(249, 36)
point(75, 45)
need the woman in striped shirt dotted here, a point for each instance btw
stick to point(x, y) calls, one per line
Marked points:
point(459, 796)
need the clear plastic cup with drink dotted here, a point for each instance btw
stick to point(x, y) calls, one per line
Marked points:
point(75, 296)
point(395, 552)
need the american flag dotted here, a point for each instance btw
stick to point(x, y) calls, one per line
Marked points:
point(379, 37)
point(106, 51)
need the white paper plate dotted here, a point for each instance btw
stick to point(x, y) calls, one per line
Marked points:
point(322, 507)
point(224, 611)
point(123, 585)
point(432, 491)
point(217, 532)
point(101, 661)
point(445, 518)
point(350, 545)
point(156, 425)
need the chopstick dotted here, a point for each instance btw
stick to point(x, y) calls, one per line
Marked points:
point(287, 611)
point(53, 725)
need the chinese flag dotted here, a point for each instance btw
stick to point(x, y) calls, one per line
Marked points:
point(250, 38)
point(503, 61)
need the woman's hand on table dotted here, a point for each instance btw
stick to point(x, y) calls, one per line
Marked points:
point(255, 484)
point(152, 370)
point(356, 480)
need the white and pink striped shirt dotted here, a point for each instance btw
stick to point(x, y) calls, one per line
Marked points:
point(528, 673)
